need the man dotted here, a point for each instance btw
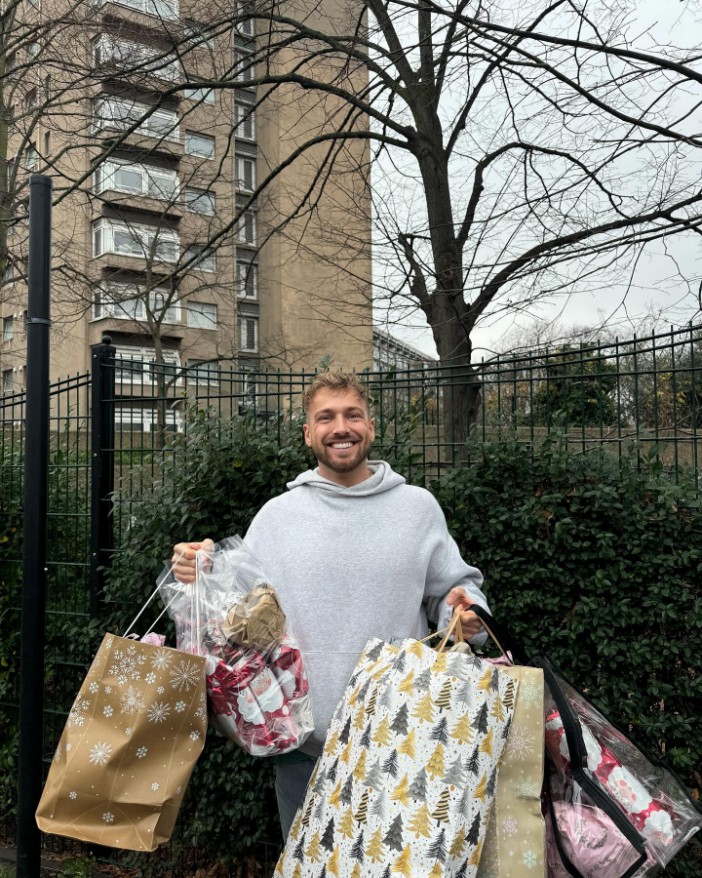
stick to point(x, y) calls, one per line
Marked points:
point(353, 552)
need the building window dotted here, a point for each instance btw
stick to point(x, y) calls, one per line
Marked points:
point(7, 381)
point(199, 201)
point(33, 49)
point(246, 173)
point(246, 227)
point(248, 334)
point(200, 95)
point(164, 9)
point(199, 144)
point(143, 420)
point(246, 25)
point(138, 366)
point(144, 242)
point(30, 99)
point(135, 179)
point(127, 56)
point(203, 372)
point(205, 257)
point(197, 34)
point(246, 280)
point(122, 114)
point(202, 315)
point(8, 328)
point(128, 302)
point(244, 121)
point(244, 66)
point(31, 158)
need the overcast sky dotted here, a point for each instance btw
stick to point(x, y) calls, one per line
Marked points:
point(656, 290)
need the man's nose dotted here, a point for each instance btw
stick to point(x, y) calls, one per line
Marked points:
point(340, 424)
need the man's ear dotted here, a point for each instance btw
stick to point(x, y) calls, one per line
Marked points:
point(306, 434)
point(372, 428)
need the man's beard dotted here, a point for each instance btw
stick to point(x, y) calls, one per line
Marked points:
point(325, 455)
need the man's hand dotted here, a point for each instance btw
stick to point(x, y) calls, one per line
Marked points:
point(470, 623)
point(183, 559)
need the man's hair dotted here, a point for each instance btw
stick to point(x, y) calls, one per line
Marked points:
point(338, 382)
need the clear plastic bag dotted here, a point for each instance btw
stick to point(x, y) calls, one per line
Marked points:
point(256, 683)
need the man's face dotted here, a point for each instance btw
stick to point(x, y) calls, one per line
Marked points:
point(340, 432)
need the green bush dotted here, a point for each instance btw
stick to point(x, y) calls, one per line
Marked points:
point(596, 562)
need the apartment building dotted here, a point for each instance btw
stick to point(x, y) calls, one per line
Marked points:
point(158, 240)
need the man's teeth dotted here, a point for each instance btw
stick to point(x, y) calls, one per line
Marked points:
point(341, 445)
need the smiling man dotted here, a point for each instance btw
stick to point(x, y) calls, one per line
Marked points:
point(354, 552)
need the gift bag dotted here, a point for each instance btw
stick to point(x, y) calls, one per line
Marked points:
point(132, 738)
point(256, 683)
point(408, 770)
point(515, 844)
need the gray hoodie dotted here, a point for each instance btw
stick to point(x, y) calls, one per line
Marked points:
point(373, 560)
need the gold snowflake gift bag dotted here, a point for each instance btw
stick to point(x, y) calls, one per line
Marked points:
point(408, 771)
point(515, 839)
point(130, 743)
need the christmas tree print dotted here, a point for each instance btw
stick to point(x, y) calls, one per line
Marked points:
point(414, 647)
point(335, 796)
point(374, 652)
point(319, 809)
point(407, 685)
point(437, 871)
point(353, 697)
point(486, 743)
point(333, 863)
point(424, 708)
point(297, 871)
point(456, 849)
point(393, 837)
point(359, 770)
point(331, 774)
point(473, 836)
point(400, 793)
point(374, 776)
point(366, 736)
point(463, 871)
point(403, 864)
point(346, 753)
point(308, 812)
point(480, 791)
point(356, 872)
point(497, 711)
point(420, 821)
point(347, 790)
point(382, 734)
point(344, 736)
point(437, 849)
point(441, 812)
point(481, 720)
point(440, 663)
point(297, 823)
point(361, 815)
point(505, 729)
point(454, 773)
point(509, 695)
point(463, 731)
point(423, 681)
point(464, 805)
point(490, 789)
point(385, 697)
point(456, 665)
point(386, 872)
point(474, 761)
point(418, 787)
point(359, 718)
point(407, 747)
point(435, 766)
point(485, 682)
point(357, 852)
point(299, 852)
point(379, 807)
point(399, 724)
point(327, 841)
point(346, 824)
point(443, 699)
point(370, 707)
point(312, 851)
point(376, 848)
point(364, 690)
point(390, 764)
point(318, 782)
point(400, 663)
point(474, 858)
point(465, 694)
point(440, 731)
point(323, 873)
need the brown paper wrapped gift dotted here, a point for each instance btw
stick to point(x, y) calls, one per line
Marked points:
point(130, 743)
point(515, 839)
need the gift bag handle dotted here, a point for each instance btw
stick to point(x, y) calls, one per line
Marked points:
point(454, 628)
point(505, 641)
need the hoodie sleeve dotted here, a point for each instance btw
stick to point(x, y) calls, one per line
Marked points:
point(447, 569)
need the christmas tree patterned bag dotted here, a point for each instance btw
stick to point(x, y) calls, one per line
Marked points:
point(408, 771)
point(130, 743)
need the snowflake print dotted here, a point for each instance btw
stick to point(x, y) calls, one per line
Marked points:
point(150, 677)
point(194, 736)
point(519, 744)
point(161, 690)
point(80, 707)
point(201, 713)
point(154, 786)
point(73, 795)
point(531, 692)
point(128, 731)
point(529, 859)
point(107, 711)
point(127, 664)
point(100, 753)
point(510, 826)
point(180, 707)
point(76, 719)
point(108, 689)
point(108, 818)
point(132, 700)
point(141, 752)
point(185, 676)
point(93, 687)
point(528, 789)
point(69, 747)
point(179, 790)
point(160, 660)
point(159, 711)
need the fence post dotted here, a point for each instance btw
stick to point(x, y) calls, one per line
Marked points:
point(102, 465)
point(36, 467)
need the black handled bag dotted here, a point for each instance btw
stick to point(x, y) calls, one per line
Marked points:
point(611, 810)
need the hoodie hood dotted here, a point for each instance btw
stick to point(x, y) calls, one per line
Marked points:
point(383, 478)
